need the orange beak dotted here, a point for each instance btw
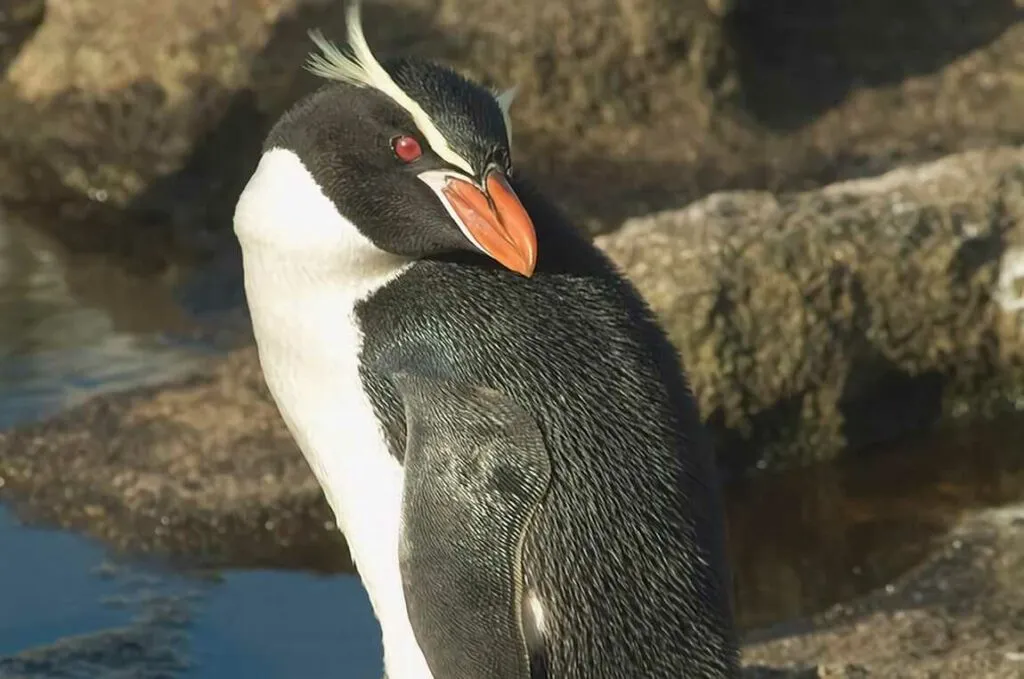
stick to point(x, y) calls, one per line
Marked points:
point(495, 221)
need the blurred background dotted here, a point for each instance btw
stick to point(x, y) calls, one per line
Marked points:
point(823, 201)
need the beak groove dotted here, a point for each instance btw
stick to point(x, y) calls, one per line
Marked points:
point(493, 219)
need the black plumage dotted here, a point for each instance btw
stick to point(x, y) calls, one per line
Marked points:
point(626, 548)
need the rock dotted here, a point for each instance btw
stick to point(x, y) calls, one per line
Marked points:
point(153, 645)
point(829, 320)
point(959, 614)
point(152, 113)
point(18, 20)
point(125, 89)
point(145, 649)
point(810, 324)
point(203, 468)
point(818, 672)
point(131, 653)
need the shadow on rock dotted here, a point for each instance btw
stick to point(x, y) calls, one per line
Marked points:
point(890, 404)
point(19, 20)
point(799, 58)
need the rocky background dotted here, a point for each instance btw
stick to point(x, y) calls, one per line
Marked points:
point(812, 320)
point(822, 199)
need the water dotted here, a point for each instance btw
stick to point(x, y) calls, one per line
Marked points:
point(61, 588)
point(72, 328)
point(69, 607)
point(803, 540)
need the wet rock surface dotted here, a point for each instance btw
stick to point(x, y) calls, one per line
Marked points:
point(148, 648)
point(810, 324)
point(204, 468)
point(960, 614)
point(824, 321)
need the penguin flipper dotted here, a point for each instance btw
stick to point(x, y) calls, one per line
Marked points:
point(476, 469)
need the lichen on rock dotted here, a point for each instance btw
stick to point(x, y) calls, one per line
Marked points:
point(818, 322)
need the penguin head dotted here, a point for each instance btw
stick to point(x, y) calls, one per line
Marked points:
point(402, 157)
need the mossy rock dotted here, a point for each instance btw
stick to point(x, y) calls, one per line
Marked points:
point(819, 322)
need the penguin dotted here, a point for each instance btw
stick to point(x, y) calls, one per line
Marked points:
point(503, 431)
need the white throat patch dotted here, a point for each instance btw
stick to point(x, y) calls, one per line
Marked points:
point(284, 215)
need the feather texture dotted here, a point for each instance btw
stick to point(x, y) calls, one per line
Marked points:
point(355, 64)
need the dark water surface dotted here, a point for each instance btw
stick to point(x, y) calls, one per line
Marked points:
point(70, 608)
point(72, 327)
point(805, 540)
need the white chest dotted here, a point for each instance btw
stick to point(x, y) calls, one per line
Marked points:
point(309, 353)
point(306, 266)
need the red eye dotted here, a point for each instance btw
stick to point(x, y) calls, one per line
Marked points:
point(406, 148)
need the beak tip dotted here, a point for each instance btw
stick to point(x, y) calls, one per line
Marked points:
point(529, 261)
point(524, 268)
point(500, 227)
